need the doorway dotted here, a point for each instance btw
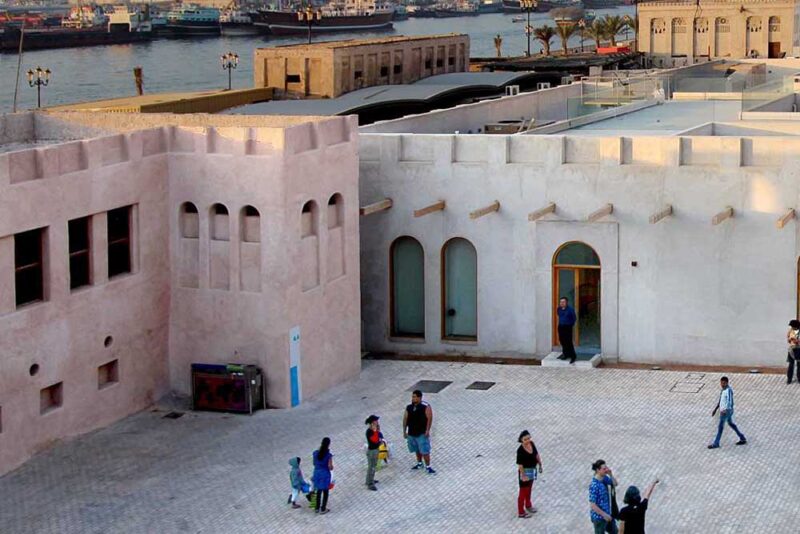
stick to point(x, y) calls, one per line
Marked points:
point(576, 276)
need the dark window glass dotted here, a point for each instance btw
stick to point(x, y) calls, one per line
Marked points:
point(79, 253)
point(384, 71)
point(188, 207)
point(219, 209)
point(119, 241)
point(28, 271)
point(451, 61)
point(357, 74)
point(427, 63)
point(398, 69)
point(292, 78)
point(439, 62)
point(250, 211)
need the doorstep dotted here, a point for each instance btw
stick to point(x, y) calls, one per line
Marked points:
point(551, 360)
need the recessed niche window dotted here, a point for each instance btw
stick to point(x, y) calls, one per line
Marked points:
point(397, 69)
point(384, 72)
point(29, 266)
point(220, 226)
point(308, 219)
point(80, 252)
point(119, 241)
point(335, 211)
point(439, 62)
point(357, 75)
point(251, 225)
point(292, 78)
point(1, 419)
point(189, 221)
point(428, 63)
point(451, 61)
point(51, 398)
point(108, 374)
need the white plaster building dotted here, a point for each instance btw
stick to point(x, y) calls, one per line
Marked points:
point(132, 246)
point(657, 218)
point(683, 32)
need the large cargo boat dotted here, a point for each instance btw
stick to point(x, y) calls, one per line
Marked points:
point(462, 8)
point(543, 6)
point(123, 27)
point(350, 16)
point(191, 19)
point(604, 4)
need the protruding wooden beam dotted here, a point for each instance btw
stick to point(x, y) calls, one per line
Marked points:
point(494, 206)
point(727, 213)
point(436, 206)
point(369, 209)
point(541, 212)
point(663, 213)
point(608, 209)
point(785, 218)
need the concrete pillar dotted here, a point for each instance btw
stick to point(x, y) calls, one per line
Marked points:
point(99, 228)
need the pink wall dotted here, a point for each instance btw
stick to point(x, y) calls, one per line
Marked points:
point(189, 299)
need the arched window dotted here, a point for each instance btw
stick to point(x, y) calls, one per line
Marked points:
point(189, 221)
point(251, 225)
point(460, 289)
point(219, 248)
point(250, 250)
point(335, 211)
point(576, 253)
point(308, 219)
point(220, 226)
point(407, 280)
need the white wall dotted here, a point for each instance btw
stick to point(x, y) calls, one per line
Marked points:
point(700, 293)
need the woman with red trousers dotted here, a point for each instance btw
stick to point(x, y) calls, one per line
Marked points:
point(528, 460)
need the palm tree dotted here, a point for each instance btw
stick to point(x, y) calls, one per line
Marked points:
point(633, 24)
point(613, 25)
point(544, 34)
point(596, 31)
point(565, 31)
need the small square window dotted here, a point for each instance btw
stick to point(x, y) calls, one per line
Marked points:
point(108, 374)
point(398, 69)
point(384, 72)
point(51, 398)
point(292, 78)
point(428, 63)
point(439, 62)
point(357, 74)
point(451, 61)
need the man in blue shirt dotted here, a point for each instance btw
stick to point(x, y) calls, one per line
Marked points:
point(725, 407)
point(600, 498)
point(566, 320)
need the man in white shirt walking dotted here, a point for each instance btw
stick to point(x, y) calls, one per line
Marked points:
point(725, 407)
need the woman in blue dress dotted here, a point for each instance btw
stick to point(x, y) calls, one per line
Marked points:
point(323, 465)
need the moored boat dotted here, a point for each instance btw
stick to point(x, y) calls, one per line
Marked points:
point(191, 19)
point(350, 16)
point(236, 22)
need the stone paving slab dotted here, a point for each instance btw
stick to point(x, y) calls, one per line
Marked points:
point(220, 473)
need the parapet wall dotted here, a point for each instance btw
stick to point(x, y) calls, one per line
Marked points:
point(566, 150)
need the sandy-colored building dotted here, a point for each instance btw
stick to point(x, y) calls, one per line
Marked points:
point(330, 69)
point(684, 32)
point(134, 245)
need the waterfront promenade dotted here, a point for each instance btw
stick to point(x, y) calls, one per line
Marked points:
point(207, 472)
point(179, 65)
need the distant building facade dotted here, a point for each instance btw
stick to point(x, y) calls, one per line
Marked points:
point(676, 33)
point(331, 69)
point(126, 257)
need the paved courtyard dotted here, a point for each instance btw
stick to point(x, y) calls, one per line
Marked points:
point(219, 473)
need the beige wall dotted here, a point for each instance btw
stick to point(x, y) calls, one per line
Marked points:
point(681, 33)
point(207, 288)
point(321, 71)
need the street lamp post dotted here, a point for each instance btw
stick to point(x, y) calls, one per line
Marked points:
point(627, 20)
point(582, 27)
point(39, 78)
point(309, 15)
point(229, 62)
point(528, 6)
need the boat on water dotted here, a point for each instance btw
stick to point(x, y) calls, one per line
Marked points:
point(237, 22)
point(337, 16)
point(462, 8)
point(518, 18)
point(543, 6)
point(191, 19)
point(400, 12)
point(604, 4)
point(121, 27)
point(490, 6)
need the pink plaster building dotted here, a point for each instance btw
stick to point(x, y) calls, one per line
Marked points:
point(132, 246)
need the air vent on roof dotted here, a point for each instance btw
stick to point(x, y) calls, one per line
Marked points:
point(512, 90)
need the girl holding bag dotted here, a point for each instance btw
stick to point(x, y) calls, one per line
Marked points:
point(528, 460)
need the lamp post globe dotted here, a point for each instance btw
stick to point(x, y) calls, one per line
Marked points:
point(229, 62)
point(38, 78)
